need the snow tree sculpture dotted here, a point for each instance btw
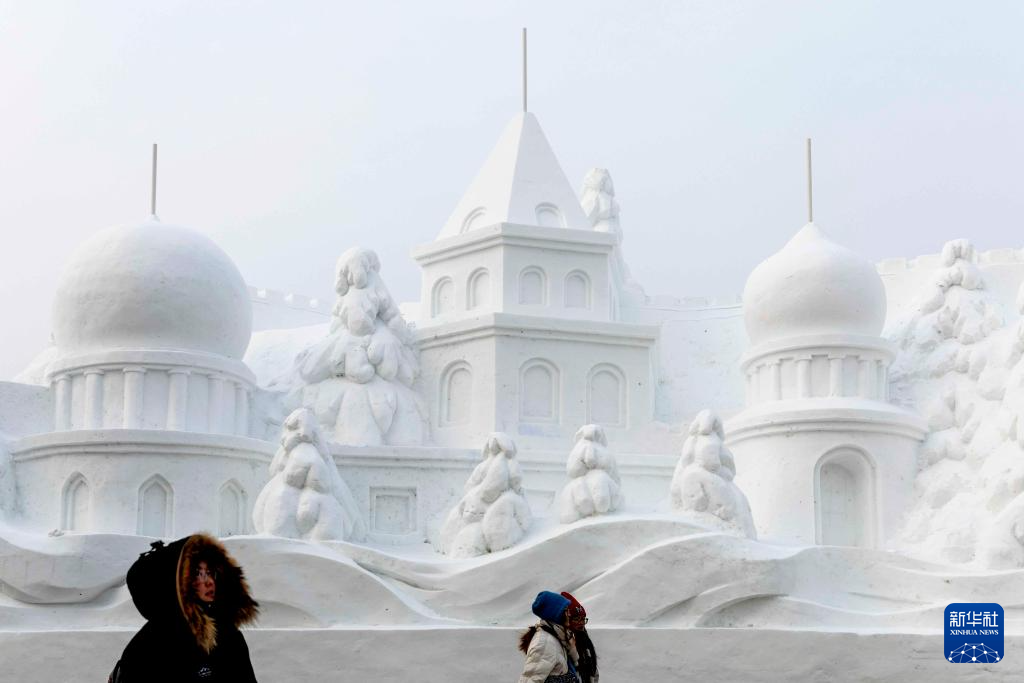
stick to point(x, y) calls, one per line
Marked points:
point(595, 487)
point(493, 513)
point(602, 210)
point(306, 497)
point(359, 379)
point(961, 367)
point(598, 201)
point(702, 484)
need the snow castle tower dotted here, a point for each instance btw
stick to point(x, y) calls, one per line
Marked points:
point(518, 325)
point(150, 324)
point(821, 454)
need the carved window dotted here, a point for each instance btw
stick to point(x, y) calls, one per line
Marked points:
point(606, 396)
point(474, 219)
point(549, 216)
point(76, 504)
point(155, 503)
point(443, 299)
point(456, 394)
point(232, 508)
point(479, 289)
point(539, 392)
point(577, 290)
point(532, 287)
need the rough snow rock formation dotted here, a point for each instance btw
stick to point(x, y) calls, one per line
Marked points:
point(306, 497)
point(493, 513)
point(358, 380)
point(961, 367)
point(702, 485)
point(595, 487)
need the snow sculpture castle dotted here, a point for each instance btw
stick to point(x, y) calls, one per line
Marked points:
point(150, 418)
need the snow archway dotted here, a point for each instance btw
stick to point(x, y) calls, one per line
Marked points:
point(844, 498)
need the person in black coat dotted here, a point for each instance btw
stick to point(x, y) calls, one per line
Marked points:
point(194, 598)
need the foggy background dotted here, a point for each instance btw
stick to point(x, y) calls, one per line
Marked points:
point(291, 131)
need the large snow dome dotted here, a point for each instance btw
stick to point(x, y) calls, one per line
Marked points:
point(152, 286)
point(813, 286)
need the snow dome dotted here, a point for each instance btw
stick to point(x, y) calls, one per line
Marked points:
point(813, 286)
point(152, 286)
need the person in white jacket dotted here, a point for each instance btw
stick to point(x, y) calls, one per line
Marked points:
point(549, 646)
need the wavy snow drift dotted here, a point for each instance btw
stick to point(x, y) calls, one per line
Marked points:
point(655, 571)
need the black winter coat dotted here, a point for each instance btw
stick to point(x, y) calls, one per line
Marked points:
point(183, 640)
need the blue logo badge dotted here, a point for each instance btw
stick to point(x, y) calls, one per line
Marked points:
point(974, 633)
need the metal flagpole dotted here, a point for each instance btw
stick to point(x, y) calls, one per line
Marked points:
point(152, 194)
point(524, 69)
point(810, 188)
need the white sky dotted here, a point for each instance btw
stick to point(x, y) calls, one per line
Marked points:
point(291, 131)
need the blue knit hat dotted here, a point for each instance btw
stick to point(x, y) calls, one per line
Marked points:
point(550, 606)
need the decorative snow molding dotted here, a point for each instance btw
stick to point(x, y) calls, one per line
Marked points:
point(306, 497)
point(359, 379)
point(493, 513)
point(702, 485)
point(594, 487)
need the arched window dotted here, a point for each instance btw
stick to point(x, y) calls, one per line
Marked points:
point(456, 394)
point(577, 290)
point(479, 289)
point(232, 507)
point(75, 515)
point(844, 498)
point(155, 505)
point(443, 298)
point(474, 219)
point(533, 287)
point(538, 392)
point(606, 396)
point(549, 216)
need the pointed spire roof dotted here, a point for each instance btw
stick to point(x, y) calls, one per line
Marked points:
point(521, 182)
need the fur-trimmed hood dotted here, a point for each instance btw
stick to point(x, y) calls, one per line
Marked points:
point(160, 583)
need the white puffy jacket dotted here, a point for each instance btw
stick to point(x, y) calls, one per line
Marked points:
point(547, 654)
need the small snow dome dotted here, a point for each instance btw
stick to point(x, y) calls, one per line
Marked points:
point(152, 286)
point(813, 286)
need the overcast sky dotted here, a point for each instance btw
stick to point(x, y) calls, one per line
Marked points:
point(290, 131)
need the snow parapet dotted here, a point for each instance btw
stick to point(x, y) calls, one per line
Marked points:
point(493, 513)
point(358, 380)
point(306, 497)
point(702, 485)
point(595, 487)
point(960, 365)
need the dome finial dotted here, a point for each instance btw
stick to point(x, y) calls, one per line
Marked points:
point(810, 190)
point(152, 192)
